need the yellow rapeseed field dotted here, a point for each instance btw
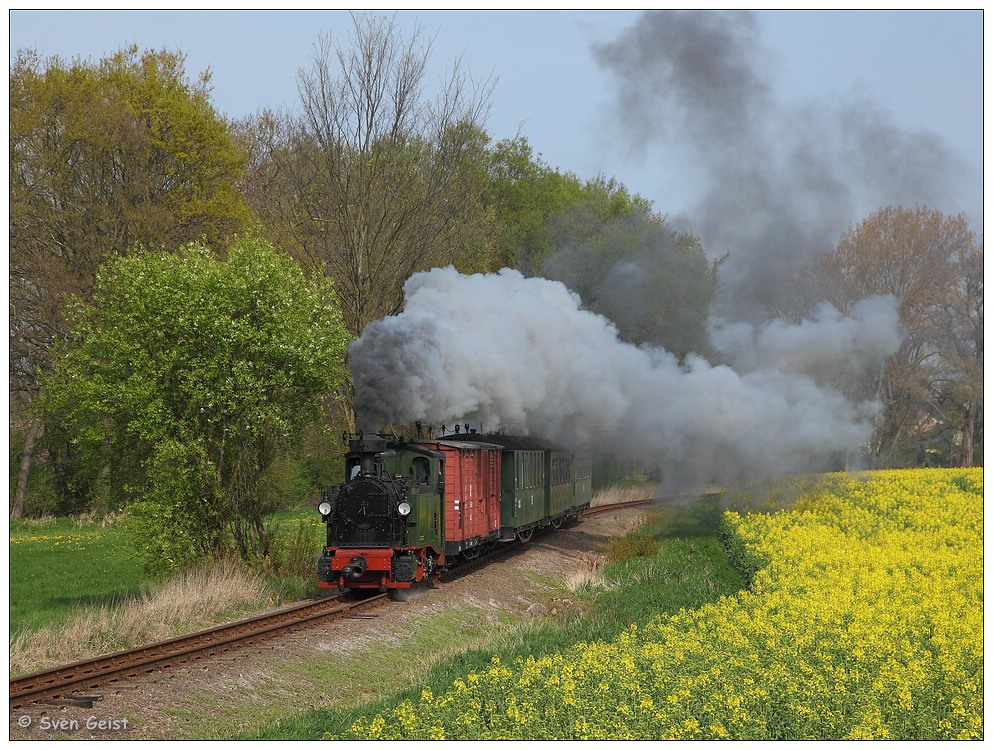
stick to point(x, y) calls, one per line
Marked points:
point(863, 620)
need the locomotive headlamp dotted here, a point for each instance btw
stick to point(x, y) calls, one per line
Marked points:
point(324, 508)
point(403, 509)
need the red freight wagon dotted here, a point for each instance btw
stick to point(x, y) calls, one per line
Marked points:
point(472, 494)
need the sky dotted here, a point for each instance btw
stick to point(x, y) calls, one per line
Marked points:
point(919, 73)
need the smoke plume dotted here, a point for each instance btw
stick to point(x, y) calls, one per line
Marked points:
point(653, 283)
point(827, 346)
point(774, 184)
point(521, 355)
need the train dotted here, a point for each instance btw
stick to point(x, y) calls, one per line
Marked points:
point(411, 509)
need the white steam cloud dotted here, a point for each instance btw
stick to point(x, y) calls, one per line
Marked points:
point(828, 346)
point(519, 354)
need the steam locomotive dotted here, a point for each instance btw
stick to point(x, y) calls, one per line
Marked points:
point(411, 509)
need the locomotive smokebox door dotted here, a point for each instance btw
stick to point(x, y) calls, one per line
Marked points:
point(404, 568)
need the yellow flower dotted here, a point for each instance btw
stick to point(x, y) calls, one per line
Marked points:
point(866, 595)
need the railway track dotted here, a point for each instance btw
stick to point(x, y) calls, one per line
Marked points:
point(496, 553)
point(600, 510)
point(65, 684)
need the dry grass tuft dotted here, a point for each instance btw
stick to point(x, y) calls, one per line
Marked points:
point(588, 575)
point(193, 600)
point(614, 495)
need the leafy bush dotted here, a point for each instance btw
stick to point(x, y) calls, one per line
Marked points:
point(292, 549)
point(183, 383)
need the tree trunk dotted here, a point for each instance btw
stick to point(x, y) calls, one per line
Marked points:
point(968, 436)
point(35, 430)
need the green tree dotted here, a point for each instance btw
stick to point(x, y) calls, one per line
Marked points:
point(103, 156)
point(605, 244)
point(524, 192)
point(526, 195)
point(183, 381)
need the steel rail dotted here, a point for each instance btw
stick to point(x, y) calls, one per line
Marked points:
point(599, 510)
point(602, 509)
point(101, 670)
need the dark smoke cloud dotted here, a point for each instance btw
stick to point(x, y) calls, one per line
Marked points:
point(653, 283)
point(780, 184)
point(521, 355)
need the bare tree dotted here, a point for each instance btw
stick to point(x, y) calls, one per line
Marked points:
point(373, 180)
point(957, 323)
point(928, 261)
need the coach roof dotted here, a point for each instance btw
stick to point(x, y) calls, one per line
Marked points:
point(507, 442)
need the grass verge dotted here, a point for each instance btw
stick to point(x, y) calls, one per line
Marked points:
point(349, 673)
point(690, 568)
point(191, 601)
point(59, 565)
point(76, 589)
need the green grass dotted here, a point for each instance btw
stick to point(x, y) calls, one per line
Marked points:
point(284, 519)
point(691, 568)
point(351, 678)
point(58, 565)
point(296, 536)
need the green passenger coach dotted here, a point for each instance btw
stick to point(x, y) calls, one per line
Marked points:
point(541, 484)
